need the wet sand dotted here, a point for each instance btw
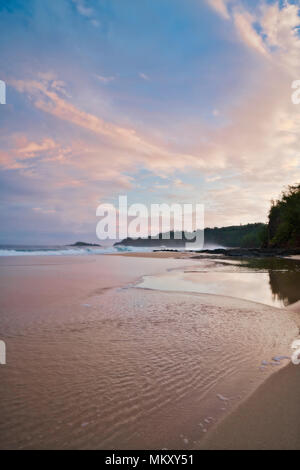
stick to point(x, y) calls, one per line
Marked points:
point(158, 255)
point(270, 417)
point(93, 362)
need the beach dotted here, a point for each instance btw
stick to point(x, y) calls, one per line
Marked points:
point(268, 420)
point(97, 361)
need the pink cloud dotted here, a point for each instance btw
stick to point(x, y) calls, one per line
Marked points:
point(260, 141)
point(155, 156)
point(23, 149)
point(243, 23)
point(220, 6)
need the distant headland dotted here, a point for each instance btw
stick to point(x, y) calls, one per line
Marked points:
point(79, 244)
point(245, 236)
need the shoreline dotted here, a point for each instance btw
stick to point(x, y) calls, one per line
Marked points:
point(292, 253)
point(74, 289)
point(269, 417)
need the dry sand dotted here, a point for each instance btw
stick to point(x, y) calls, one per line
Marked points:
point(268, 420)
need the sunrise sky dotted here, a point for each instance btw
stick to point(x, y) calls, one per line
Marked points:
point(183, 101)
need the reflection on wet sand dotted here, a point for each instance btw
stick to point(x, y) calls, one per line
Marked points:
point(284, 277)
point(272, 281)
point(285, 286)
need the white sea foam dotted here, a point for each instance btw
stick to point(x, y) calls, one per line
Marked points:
point(222, 398)
point(68, 251)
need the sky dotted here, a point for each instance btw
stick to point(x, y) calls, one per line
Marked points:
point(165, 101)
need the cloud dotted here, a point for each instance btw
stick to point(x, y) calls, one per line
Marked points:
point(105, 79)
point(144, 76)
point(243, 22)
point(86, 11)
point(23, 152)
point(258, 142)
point(83, 9)
point(154, 156)
point(212, 179)
point(277, 37)
point(244, 25)
point(44, 211)
point(179, 184)
point(31, 149)
point(220, 6)
point(281, 29)
point(261, 141)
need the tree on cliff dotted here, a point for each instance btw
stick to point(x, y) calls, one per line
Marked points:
point(284, 220)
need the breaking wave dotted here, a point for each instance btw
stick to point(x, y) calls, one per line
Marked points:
point(65, 251)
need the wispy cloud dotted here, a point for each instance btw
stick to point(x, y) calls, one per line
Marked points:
point(221, 7)
point(244, 24)
point(144, 76)
point(83, 9)
point(155, 156)
point(212, 179)
point(86, 11)
point(104, 79)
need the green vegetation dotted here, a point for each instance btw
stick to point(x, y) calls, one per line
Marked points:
point(241, 236)
point(284, 220)
point(282, 230)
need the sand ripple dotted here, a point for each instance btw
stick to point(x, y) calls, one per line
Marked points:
point(134, 368)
